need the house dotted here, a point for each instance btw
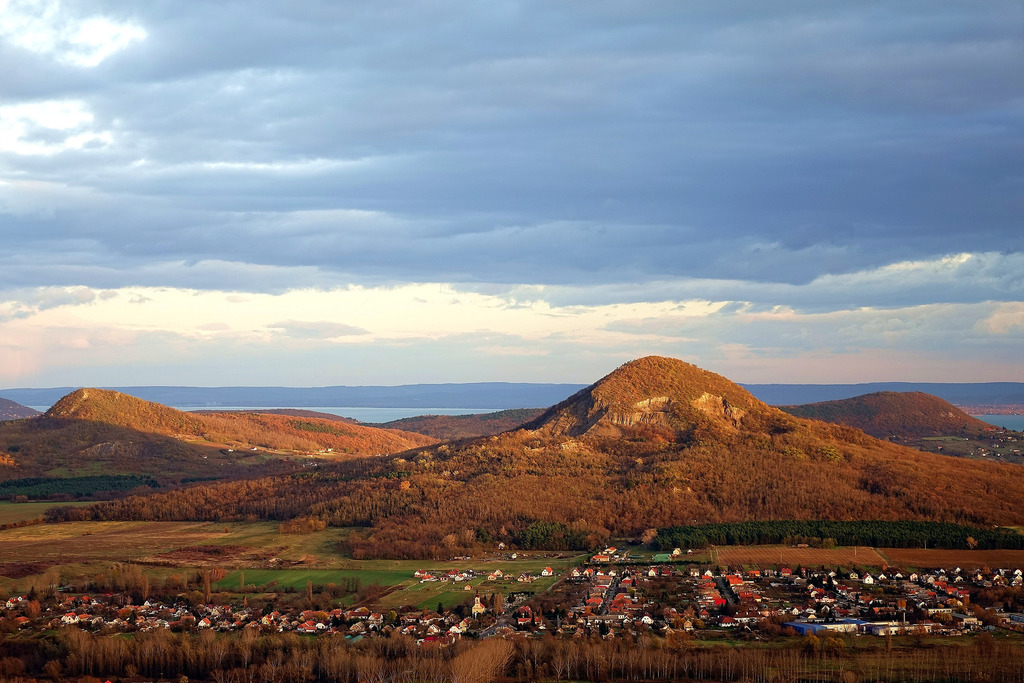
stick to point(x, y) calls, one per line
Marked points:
point(547, 571)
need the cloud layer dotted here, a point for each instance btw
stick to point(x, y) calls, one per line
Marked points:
point(818, 180)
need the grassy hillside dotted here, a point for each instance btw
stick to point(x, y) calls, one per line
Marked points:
point(98, 432)
point(657, 443)
point(889, 413)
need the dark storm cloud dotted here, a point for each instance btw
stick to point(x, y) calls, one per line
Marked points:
point(572, 143)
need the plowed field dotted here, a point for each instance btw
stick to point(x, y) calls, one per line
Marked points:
point(766, 556)
point(967, 559)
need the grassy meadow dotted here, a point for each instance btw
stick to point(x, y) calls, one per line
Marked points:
point(11, 513)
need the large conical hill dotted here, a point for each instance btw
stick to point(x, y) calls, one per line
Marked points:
point(657, 393)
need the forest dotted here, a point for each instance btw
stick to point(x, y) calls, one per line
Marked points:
point(73, 487)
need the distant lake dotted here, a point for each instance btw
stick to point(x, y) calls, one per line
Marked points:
point(1014, 422)
point(361, 413)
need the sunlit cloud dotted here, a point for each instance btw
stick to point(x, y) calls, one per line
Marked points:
point(45, 128)
point(50, 28)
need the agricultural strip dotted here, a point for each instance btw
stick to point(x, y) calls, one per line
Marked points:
point(21, 512)
point(109, 541)
point(967, 559)
point(767, 556)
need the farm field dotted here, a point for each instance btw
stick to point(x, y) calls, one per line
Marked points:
point(808, 557)
point(398, 576)
point(427, 595)
point(968, 559)
point(20, 512)
point(282, 562)
point(111, 541)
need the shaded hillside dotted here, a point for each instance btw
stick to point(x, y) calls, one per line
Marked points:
point(94, 431)
point(9, 410)
point(657, 443)
point(66, 448)
point(455, 427)
point(888, 413)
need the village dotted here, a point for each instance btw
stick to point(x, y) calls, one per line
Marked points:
point(607, 597)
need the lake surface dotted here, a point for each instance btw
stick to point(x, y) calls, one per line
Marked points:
point(360, 413)
point(1014, 422)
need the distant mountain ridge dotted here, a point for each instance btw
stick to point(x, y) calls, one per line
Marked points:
point(481, 395)
point(503, 395)
point(889, 413)
point(962, 394)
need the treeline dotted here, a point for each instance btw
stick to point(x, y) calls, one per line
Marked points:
point(554, 536)
point(825, 533)
point(73, 487)
point(281, 658)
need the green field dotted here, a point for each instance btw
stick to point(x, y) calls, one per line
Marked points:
point(297, 578)
point(398, 575)
point(20, 512)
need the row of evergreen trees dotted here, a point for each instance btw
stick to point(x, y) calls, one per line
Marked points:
point(819, 532)
point(75, 487)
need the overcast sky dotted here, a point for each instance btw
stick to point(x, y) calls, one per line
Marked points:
point(310, 192)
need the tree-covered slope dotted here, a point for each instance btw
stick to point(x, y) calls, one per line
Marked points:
point(890, 413)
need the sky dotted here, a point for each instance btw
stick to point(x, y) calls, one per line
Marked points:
point(307, 193)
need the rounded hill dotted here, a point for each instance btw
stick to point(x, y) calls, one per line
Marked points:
point(122, 410)
point(886, 414)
